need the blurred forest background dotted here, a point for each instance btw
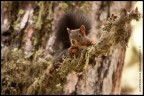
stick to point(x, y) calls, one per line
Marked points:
point(27, 32)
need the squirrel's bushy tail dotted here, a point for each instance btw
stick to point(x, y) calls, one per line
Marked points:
point(71, 20)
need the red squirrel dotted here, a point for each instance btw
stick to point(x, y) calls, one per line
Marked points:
point(78, 39)
point(71, 34)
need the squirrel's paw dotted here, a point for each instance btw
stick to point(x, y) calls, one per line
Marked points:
point(72, 50)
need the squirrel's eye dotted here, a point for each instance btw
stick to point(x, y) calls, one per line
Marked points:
point(79, 35)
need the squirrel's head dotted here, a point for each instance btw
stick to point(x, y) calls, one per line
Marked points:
point(77, 35)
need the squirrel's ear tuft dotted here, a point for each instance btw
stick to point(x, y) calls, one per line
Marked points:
point(68, 30)
point(82, 29)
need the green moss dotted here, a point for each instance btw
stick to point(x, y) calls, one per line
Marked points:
point(64, 5)
point(18, 71)
point(86, 6)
